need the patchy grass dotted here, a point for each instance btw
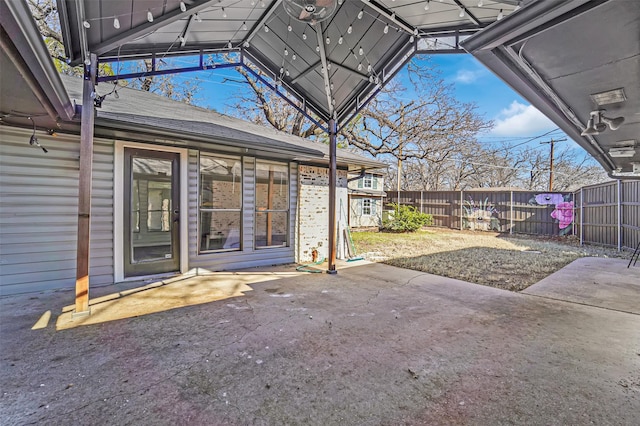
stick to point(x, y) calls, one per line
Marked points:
point(492, 259)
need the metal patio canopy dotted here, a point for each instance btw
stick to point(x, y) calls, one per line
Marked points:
point(570, 58)
point(332, 68)
point(328, 70)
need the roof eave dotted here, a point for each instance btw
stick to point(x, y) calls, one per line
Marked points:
point(21, 28)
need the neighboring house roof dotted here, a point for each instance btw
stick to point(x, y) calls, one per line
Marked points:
point(169, 118)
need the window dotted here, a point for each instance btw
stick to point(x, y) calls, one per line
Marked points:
point(220, 203)
point(367, 206)
point(272, 204)
point(367, 181)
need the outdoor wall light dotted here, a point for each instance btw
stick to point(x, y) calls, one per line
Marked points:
point(598, 123)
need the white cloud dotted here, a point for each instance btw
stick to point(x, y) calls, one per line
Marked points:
point(521, 120)
point(467, 76)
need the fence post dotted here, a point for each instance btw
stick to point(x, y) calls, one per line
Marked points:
point(619, 216)
point(461, 209)
point(511, 213)
point(581, 216)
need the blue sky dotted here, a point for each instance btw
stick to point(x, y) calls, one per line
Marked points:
point(514, 118)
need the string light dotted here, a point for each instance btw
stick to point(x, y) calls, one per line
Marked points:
point(116, 23)
point(289, 28)
point(360, 66)
point(386, 29)
point(361, 51)
point(183, 7)
point(286, 52)
point(197, 18)
point(461, 14)
point(149, 16)
point(350, 29)
point(328, 40)
point(480, 3)
point(426, 6)
point(304, 36)
point(500, 15)
point(360, 14)
point(86, 24)
point(340, 40)
point(224, 13)
point(266, 29)
point(244, 26)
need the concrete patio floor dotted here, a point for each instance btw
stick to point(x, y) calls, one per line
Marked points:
point(373, 345)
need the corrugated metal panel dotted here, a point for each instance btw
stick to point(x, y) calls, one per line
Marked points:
point(248, 257)
point(39, 209)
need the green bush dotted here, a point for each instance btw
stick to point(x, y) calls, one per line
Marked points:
point(405, 219)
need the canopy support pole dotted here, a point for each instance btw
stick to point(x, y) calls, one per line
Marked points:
point(84, 187)
point(333, 130)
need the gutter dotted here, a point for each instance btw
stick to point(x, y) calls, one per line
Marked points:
point(24, 45)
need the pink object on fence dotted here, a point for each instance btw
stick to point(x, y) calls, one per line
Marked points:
point(563, 213)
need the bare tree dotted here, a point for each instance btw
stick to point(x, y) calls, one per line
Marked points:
point(45, 14)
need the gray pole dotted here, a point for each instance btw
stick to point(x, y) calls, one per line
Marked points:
point(332, 196)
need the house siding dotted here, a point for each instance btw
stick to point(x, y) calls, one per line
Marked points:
point(39, 210)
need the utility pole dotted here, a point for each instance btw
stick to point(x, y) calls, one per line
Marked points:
point(551, 144)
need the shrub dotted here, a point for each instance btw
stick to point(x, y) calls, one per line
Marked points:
point(405, 219)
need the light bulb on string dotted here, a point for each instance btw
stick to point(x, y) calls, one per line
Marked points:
point(244, 26)
point(197, 18)
point(360, 66)
point(289, 28)
point(500, 15)
point(480, 3)
point(360, 14)
point(461, 14)
point(116, 23)
point(340, 40)
point(328, 40)
point(286, 52)
point(350, 29)
point(86, 24)
point(361, 51)
point(224, 13)
point(386, 29)
point(293, 57)
point(266, 29)
point(183, 7)
point(304, 36)
point(426, 6)
point(149, 15)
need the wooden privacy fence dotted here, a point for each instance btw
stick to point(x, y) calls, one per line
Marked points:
point(607, 214)
point(526, 212)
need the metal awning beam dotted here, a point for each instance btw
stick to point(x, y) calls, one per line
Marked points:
point(265, 17)
point(468, 13)
point(141, 30)
point(306, 71)
point(387, 15)
point(325, 71)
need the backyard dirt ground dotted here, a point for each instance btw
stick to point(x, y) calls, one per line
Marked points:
point(510, 262)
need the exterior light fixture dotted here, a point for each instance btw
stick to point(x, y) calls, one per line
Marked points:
point(609, 97)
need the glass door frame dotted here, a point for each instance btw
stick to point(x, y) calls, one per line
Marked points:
point(119, 209)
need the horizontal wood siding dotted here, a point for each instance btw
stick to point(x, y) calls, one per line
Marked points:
point(249, 256)
point(39, 210)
